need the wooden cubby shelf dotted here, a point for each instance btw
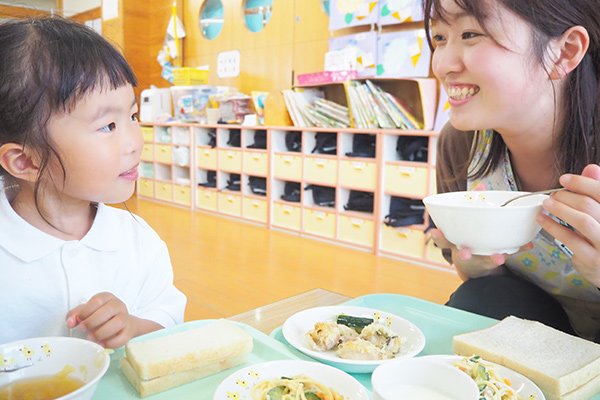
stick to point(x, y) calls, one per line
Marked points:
point(277, 170)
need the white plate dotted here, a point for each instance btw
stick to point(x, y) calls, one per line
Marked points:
point(238, 386)
point(295, 328)
point(520, 383)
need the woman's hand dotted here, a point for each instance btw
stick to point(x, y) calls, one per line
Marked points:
point(108, 322)
point(579, 207)
point(469, 265)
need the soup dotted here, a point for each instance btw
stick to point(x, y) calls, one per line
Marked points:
point(40, 388)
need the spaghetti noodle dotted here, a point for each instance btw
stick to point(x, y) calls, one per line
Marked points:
point(492, 386)
point(299, 387)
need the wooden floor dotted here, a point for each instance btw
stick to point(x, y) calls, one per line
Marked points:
point(226, 267)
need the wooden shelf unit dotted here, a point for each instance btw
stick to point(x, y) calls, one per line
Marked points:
point(384, 175)
point(165, 167)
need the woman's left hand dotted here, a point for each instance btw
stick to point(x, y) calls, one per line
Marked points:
point(578, 206)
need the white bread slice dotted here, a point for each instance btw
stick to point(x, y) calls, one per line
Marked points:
point(584, 392)
point(557, 362)
point(182, 351)
point(162, 383)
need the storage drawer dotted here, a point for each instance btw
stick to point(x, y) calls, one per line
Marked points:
point(206, 158)
point(230, 204)
point(287, 216)
point(320, 223)
point(148, 133)
point(164, 191)
point(230, 160)
point(164, 153)
point(287, 167)
point(182, 195)
point(321, 170)
point(406, 180)
point(206, 199)
point(403, 241)
point(147, 152)
point(356, 230)
point(255, 209)
point(256, 163)
point(145, 187)
point(358, 174)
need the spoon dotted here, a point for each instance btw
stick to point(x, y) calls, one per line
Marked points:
point(16, 368)
point(531, 194)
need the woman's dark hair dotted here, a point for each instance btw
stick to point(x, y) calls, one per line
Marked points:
point(578, 141)
point(47, 65)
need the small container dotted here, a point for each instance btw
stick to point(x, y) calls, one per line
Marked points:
point(190, 102)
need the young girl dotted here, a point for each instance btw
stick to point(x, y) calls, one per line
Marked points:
point(522, 77)
point(70, 142)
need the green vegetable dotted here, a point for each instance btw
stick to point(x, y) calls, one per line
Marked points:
point(481, 375)
point(311, 396)
point(356, 323)
point(276, 393)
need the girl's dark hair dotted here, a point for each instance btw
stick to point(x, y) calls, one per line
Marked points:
point(577, 143)
point(47, 65)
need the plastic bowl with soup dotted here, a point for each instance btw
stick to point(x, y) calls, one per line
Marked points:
point(51, 368)
point(421, 378)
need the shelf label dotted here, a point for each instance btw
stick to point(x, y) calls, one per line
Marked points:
point(357, 222)
point(320, 214)
point(358, 165)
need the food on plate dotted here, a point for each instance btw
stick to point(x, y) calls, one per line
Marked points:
point(42, 387)
point(299, 387)
point(563, 366)
point(492, 386)
point(162, 363)
point(355, 338)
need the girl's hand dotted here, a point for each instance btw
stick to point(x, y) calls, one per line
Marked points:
point(108, 322)
point(469, 265)
point(580, 208)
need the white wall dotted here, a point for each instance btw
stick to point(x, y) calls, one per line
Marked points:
point(76, 6)
point(71, 7)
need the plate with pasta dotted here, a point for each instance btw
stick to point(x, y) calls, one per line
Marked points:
point(495, 381)
point(290, 379)
point(351, 338)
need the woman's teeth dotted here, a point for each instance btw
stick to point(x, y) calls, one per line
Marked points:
point(462, 93)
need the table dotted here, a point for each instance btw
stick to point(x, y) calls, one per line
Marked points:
point(271, 316)
point(438, 323)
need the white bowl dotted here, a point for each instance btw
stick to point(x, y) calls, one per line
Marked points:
point(295, 328)
point(420, 378)
point(239, 384)
point(475, 221)
point(49, 356)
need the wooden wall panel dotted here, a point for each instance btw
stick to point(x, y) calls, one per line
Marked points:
point(295, 39)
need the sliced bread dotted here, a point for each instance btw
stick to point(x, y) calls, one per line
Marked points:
point(186, 350)
point(162, 383)
point(557, 362)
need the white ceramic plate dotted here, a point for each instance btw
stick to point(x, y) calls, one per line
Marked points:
point(295, 328)
point(238, 386)
point(521, 384)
